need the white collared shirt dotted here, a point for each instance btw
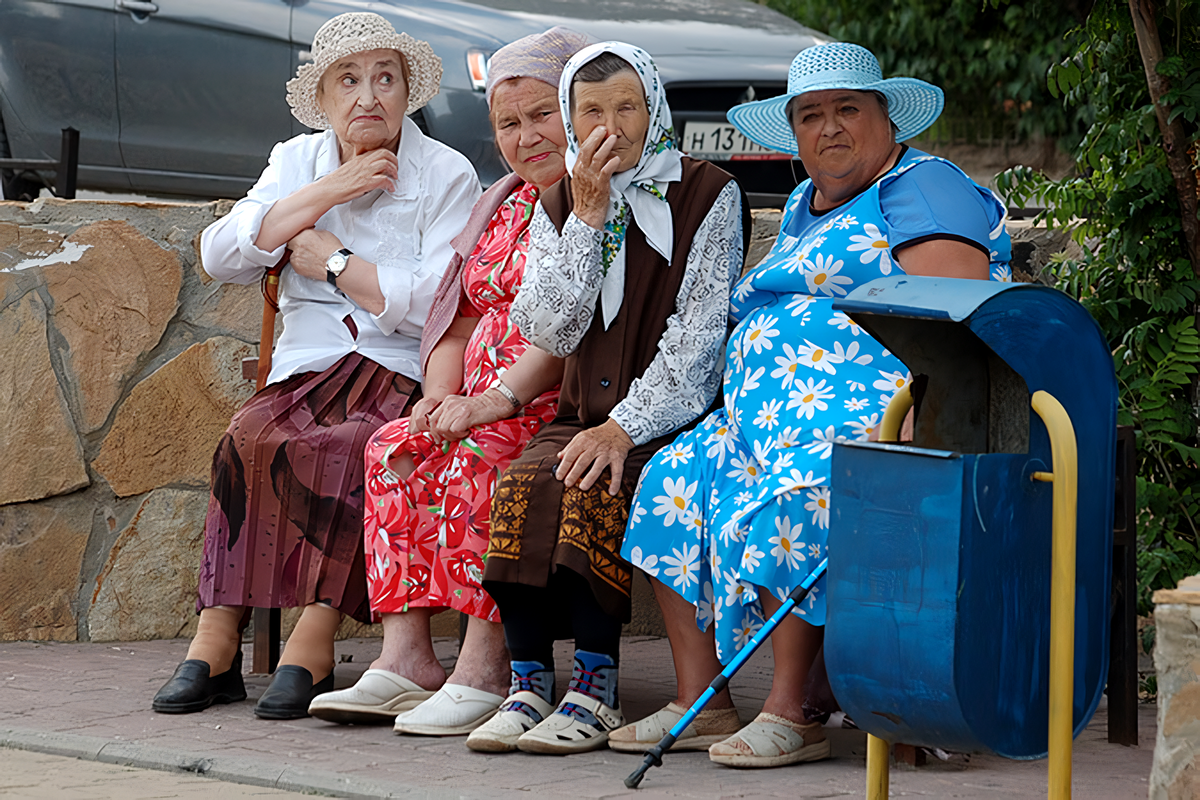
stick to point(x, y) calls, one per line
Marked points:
point(406, 233)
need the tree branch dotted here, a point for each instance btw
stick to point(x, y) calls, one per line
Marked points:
point(1175, 141)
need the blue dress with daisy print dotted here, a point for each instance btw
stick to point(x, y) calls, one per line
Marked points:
point(742, 500)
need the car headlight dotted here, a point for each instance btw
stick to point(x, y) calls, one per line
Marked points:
point(477, 68)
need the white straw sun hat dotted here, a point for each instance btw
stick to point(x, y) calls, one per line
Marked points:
point(913, 105)
point(358, 32)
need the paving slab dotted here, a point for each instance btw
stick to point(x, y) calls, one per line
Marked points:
point(92, 702)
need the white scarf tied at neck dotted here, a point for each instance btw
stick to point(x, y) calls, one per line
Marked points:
point(640, 192)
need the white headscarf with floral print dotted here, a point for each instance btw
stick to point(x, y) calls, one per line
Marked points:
point(640, 192)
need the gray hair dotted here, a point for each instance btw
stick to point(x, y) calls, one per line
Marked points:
point(598, 70)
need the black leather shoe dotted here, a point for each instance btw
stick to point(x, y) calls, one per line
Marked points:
point(191, 689)
point(290, 692)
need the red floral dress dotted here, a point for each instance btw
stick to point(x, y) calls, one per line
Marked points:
point(426, 535)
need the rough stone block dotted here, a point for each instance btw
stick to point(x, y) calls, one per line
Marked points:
point(167, 429)
point(38, 438)
point(41, 554)
point(1176, 772)
point(112, 306)
point(147, 588)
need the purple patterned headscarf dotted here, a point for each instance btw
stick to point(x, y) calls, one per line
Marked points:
point(540, 55)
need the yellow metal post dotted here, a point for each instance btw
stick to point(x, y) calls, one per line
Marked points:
point(1062, 589)
point(878, 751)
point(877, 764)
point(893, 416)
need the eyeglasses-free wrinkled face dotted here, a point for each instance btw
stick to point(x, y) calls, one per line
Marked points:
point(365, 97)
point(844, 139)
point(529, 130)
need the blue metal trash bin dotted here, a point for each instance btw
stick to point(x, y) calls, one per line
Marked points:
point(938, 625)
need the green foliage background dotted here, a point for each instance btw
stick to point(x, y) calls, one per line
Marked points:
point(1135, 278)
point(1072, 69)
point(990, 60)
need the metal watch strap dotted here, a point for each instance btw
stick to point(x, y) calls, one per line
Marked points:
point(508, 393)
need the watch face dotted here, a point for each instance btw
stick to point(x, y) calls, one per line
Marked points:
point(336, 263)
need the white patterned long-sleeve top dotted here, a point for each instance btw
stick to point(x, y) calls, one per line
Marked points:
point(560, 293)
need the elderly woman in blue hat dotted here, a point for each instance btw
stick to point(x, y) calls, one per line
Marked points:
point(734, 514)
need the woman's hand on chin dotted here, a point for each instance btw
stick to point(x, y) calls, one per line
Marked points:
point(585, 457)
point(374, 169)
point(590, 178)
point(310, 250)
point(457, 415)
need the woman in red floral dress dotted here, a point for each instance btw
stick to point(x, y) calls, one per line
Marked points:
point(430, 477)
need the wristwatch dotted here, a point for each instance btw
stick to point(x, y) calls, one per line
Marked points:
point(336, 264)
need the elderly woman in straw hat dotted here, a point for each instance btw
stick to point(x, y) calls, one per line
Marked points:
point(430, 481)
point(732, 516)
point(367, 210)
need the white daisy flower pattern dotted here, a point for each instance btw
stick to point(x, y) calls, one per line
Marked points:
point(750, 486)
point(809, 396)
point(683, 566)
point(676, 454)
point(823, 278)
point(873, 245)
point(864, 426)
point(822, 443)
point(647, 564)
point(788, 362)
point(673, 505)
point(768, 415)
point(816, 357)
point(818, 503)
point(788, 549)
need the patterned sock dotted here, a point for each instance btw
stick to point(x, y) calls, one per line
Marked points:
point(530, 676)
point(594, 674)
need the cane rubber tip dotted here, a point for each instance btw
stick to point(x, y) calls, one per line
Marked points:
point(633, 780)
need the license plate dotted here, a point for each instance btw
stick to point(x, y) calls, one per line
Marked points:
point(720, 141)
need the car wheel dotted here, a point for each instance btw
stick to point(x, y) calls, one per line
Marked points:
point(16, 185)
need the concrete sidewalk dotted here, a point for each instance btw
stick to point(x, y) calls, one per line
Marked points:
point(92, 701)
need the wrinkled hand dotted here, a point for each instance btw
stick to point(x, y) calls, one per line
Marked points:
point(422, 410)
point(374, 169)
point(310, 250)
point(590, 178)
point(457, 415)
point(591, 452)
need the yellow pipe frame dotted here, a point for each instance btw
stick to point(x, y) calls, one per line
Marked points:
point(877, 768)
point(878, 750)
point(1062, 588)
point(893, 417)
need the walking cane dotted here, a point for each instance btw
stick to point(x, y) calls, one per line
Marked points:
point(654, 756)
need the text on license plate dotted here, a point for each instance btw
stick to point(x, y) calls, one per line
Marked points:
point(720, 141)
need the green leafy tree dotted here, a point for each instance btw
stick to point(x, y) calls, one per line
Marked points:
point(989, 56)
point(1140, 276)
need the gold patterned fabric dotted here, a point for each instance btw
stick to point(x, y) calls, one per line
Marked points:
point(539, 526)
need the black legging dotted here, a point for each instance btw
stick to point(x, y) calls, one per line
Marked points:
point(535, 616)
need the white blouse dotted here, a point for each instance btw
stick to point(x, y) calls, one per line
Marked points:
point(406, 233)
point(559, 296)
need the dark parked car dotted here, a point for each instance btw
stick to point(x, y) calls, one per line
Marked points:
point(185, 97)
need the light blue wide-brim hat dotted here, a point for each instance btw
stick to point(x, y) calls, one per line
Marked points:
point(912, 104)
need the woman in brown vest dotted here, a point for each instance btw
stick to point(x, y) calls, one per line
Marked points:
point(628, 277)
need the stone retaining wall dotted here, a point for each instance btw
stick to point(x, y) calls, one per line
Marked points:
point(1176, 772)
point(120, 366)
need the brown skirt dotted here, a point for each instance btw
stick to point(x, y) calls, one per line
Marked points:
point(285, 519)
point(539, 525)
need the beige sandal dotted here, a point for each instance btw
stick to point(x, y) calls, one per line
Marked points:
point(772, 741)
point(709, 727)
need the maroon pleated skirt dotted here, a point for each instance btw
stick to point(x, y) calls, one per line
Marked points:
point(285, 519)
